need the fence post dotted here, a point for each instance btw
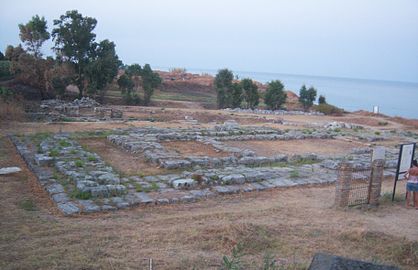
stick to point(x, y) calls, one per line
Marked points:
point(376, 181)
point(342, 187)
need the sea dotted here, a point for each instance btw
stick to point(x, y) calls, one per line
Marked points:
point(392, 98)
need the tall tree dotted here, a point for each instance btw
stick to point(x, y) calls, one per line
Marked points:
point(223, 85)
point(33, 34)
point(237, 95)
point(103, 67)
point(322, 100)
point(150, 81)
point(307, 96)
point(275, 95)
point(74, 42)
point(251, 95)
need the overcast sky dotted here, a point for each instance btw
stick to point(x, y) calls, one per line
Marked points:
point(376, 39)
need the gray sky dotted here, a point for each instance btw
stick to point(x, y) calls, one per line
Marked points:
point(376, 39)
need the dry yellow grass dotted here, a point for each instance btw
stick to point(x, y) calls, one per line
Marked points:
point(11, 111)
point(291, 224)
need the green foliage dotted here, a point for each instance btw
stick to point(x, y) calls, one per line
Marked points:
point(91, 158)
point(138, 187)
point(383, 123)
point(294, 174)
point(133, 70)
point(6, 94)
point(233, 262)
point(125, 83)
point(33, 34)
point(223, 86)
point(150, 81)
point(27, 205)
point(13, 53)
point(322, 100)
point(251, 95)
point(79, 163)
point(95, 64)
point(5, 72)
point(307, 96)
point(81, 195)
point(328, 109)
point(54, 152)
point(104, 66)
point(64, 143)
point(275, 95)
point(2, 58)
point(269, 263)
point(237, 95)
point(377, 133)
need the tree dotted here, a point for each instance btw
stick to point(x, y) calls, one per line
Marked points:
point(103, 67)
point(275, 95)
point(251, 95)
point(2, 56)
point(13, 53)
point(223, 86)
point(237, 95)
point(125, 83)
point(322, 100)
point(307, 96)
point(150, 81)
point(33, 34)
point(74, 42)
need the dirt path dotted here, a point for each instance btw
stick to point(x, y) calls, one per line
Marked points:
point(292, 224)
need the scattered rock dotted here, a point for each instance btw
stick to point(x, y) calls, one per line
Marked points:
point(9, 170)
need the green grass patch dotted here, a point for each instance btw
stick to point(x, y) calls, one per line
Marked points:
point(81, 195)
point(294, 174)
point(91, 158)
point(64, 143)
point(79, 163)
point(54, 152)
point(27, 205)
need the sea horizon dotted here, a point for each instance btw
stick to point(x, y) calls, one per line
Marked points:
point(394, 98)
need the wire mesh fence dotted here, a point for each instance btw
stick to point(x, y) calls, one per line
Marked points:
point(359, 188)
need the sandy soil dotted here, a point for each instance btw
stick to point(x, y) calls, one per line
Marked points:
point(124, 162)
point(192, 148)
point(292, 224)
point(322, 147)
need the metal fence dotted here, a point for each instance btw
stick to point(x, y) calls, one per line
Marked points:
point(359, 190)
point(357, 187)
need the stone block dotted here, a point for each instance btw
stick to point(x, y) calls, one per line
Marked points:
point(183, 183)
point(44, 160)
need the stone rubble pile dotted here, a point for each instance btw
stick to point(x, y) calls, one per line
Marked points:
point(270, 112)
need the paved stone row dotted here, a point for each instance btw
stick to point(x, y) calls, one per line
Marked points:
point(86, 169)
point(148, 142)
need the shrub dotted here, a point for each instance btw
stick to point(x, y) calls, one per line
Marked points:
point(294, 174)
point(5, 70)
point(91, 158)
point(328, 109)
point(79, 163)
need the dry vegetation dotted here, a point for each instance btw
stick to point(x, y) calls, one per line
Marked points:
point(11, 111)
point(291, 224)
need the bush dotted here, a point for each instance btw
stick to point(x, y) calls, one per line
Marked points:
point(328, 109)
point(5, 70)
